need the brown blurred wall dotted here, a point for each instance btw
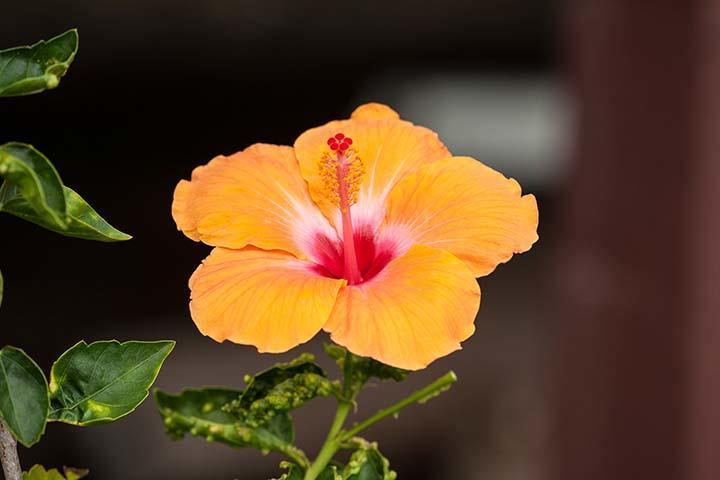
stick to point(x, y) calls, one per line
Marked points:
point(636, 391)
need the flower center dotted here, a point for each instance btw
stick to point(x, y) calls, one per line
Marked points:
point(342, 171)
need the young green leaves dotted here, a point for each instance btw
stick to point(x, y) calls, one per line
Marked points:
point(257, 417)
point(32, 69)
point(89, 384)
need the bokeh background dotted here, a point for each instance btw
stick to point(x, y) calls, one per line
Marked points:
point(596, 354)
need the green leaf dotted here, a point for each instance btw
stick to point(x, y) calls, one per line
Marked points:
point(201, 413)
point(367, 463)
point(38, 472)
point(103, 381)
point(280, 389)
point(32, 69)
point(361, 369)
point(23, 395)
point(83, 221)
point(259, 385)
point(36, 180)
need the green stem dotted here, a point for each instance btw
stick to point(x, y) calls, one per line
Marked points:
point(435, 388)
point(332, 444)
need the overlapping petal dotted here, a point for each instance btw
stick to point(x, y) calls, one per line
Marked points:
point(388, 147)
point(417, 309)
point(254, 197)
point(268, 299)
point(462, 206)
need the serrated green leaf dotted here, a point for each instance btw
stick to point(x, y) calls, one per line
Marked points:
point(200, 413)
point(32, 69)
point(23, 395)
point(83, 221)
point(36, 179)
point(103, 381)
point(367, 463)
point(361, 369)
point(38, 472)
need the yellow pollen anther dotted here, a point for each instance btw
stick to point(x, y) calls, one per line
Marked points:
point(342, 174)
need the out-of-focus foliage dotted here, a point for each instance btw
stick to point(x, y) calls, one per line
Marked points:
point(38, 472)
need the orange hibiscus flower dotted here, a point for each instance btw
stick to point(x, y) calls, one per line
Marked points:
point(367, 228)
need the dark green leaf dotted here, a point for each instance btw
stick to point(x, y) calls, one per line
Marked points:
point(367, 463)
point(83, 221)
point(282, 388)
point(103, 381)
point(259, 385)
point(200, 413)
point(23, 395)
point(38, 472)
point(26, 70)
point(36, 179)
point(361, 369)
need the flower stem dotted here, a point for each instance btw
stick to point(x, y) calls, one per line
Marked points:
point(8, 454)
point(332, 444)
point(437, 387)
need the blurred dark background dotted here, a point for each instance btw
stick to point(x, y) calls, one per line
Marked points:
point(596, 353)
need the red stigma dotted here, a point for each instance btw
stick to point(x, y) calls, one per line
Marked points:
point(339, 142)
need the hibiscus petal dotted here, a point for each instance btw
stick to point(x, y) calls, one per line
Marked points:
point(462, 206)
point(254, 197)
point(417, 309)
point(268, 299)
point(388, 148)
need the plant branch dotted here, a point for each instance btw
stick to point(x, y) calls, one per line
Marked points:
point(331, 445)
point(421, 396)
point(8, 454)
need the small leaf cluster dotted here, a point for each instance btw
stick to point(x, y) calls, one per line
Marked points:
point(89, 384)
point(259, 416)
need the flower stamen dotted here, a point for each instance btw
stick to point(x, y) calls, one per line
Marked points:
point(342, 171)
